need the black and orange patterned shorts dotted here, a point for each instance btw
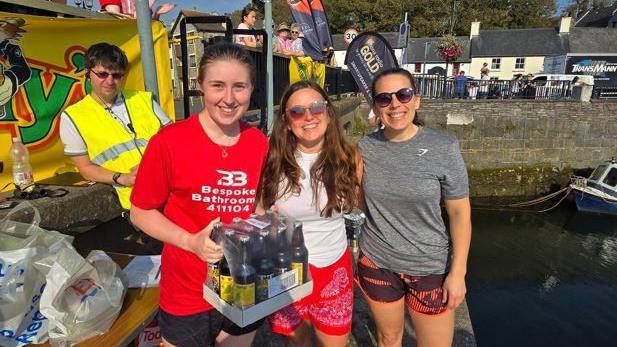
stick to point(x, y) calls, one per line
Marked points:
point(423, 294)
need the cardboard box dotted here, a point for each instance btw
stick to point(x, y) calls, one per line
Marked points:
point(263, 309)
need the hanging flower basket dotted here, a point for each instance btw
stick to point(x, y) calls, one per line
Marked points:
point(449, 49)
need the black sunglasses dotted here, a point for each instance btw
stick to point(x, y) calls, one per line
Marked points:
point(295, 32)
point(403, 95)
point(104, 74)
point(317, 108)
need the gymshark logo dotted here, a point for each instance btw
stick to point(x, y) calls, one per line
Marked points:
point(422, 151)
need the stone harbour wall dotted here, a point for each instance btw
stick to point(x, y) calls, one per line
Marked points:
point(525, 148)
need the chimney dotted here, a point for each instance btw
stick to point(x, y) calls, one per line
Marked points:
point(475, 29)
point(564, 25)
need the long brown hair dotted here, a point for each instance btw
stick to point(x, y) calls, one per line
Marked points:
point(335, 167)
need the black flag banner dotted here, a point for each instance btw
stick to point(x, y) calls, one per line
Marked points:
point(303, 15)
point(367, 55)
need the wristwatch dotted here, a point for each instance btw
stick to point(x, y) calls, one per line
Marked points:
point(115, 177)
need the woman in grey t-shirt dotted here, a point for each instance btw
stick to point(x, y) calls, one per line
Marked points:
point(408, 258)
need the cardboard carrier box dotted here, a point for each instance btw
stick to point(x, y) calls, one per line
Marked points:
point(265, 268)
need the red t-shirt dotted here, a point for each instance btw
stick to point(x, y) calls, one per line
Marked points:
point(184, 173)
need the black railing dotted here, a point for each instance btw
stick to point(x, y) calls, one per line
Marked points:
point(438, 87)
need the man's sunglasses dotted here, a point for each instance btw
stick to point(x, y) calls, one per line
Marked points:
point(317, 108)
point(104, 74)
point(403, 95)
point(295, 32)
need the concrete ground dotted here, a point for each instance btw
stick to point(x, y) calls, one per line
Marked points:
point(363, 329)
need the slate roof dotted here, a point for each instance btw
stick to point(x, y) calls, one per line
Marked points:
point(593, 40)
point(519, 43)
point(417, 46)
point(598, 18)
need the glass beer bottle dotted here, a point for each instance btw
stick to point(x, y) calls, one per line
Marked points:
point(214, 269)
point(244, 277)
point(264, 267)
point(226, 281)
point(299, 253)
point(282, 256)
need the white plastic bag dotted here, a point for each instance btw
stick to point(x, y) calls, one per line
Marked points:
point(83, 297)
point(21, 286)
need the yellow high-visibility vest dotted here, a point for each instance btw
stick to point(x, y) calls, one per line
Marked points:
point(112, 145)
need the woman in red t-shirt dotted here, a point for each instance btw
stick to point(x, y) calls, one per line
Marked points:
point(193, 174)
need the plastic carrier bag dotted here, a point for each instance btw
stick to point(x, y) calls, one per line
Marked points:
point(83, 297)
point(21, 285)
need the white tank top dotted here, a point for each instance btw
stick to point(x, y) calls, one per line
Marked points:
point(325, 238)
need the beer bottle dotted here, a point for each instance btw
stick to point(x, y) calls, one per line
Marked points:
point(214, 269)
point(244, 279)
point(264, 268)
point(282, 256)
point(299, 253)
point(226, 281)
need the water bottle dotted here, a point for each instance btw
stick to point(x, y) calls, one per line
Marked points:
point(22, 171)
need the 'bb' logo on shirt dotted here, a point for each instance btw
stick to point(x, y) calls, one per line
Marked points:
point(232, 178)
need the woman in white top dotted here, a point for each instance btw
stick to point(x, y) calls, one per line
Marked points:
point(249, 17)
point(311, 175)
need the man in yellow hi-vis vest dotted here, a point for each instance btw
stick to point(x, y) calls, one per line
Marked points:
point(107, 131)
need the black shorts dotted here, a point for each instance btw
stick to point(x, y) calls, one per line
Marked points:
point(200, 329)
point(423, 294)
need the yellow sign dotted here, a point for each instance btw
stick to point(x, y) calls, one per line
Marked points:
point(305, 69)
point(42, 72)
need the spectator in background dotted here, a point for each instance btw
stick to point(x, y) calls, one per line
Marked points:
point(282, 44)
point(484, 84)
point(484, 70)
point(249, 17)
point(296, 49)
point(529, 87)
point(459, 84)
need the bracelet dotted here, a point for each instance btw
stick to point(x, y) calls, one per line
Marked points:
point(115, 178)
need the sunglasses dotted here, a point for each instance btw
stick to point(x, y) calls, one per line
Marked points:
point(317, 108)
point(403, 95)
point(295, 32)
point(104, 74)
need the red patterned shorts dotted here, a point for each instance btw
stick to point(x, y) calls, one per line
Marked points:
point(330, 305)
point(423, 294)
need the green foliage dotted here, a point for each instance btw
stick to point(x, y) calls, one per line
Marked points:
point(431, 18)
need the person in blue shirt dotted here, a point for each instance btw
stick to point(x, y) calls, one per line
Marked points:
point(459, 84)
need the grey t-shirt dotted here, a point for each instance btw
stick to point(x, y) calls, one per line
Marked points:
point(404, 183)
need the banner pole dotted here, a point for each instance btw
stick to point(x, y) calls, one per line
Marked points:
point(144, 26)
point(269, 64)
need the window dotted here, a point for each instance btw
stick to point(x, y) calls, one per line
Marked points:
point(519, 64)
point(193, 83)
point(611, 178)
point(192, 61)
point(417, 68)
point(496, 64)
point(597, 173)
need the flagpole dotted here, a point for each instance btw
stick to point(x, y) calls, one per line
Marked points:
point(269, 64)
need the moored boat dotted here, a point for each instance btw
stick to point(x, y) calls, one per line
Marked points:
point(598, 192)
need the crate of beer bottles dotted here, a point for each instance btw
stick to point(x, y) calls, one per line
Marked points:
point(264, 269)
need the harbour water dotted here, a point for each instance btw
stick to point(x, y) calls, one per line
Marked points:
point(539, 279)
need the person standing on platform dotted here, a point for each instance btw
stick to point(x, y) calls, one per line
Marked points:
point(249, 17)
point(408, 258)
point(312, 176)
point(195, 173)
